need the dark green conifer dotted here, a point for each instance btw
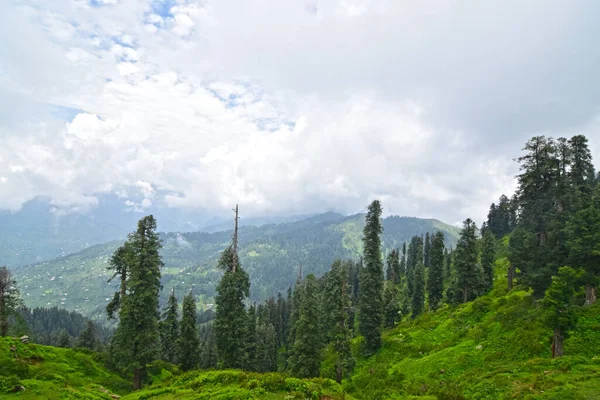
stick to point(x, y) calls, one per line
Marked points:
point(418, 297)
point(435, 277)
point(136, 343)
point(583, 238)
point(488, 256)
point(64, 339)
point(88, 338)
point(188, 345)
point(337, 305)
point(266, 348)
point(391, 305)
point(393, 267)
point(306, 353)
point(370, 315)
point(427, 251)
point(469, 274)
point(231, 318)
point(169, 330)
point(560, 303)
point(9, 298)
point(251, 358)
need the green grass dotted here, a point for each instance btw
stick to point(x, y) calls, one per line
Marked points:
point(496, 347)
point(230, 385)
point(51, 372)
point(56, 373)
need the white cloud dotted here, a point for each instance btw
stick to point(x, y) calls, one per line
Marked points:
point(285, 106)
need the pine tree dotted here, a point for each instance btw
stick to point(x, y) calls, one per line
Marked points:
point(435, 277)
point(295, 302)
point(583, 239)
point(251, 342)
point(337, 305)
point(418, 295)
point(231, 319)
point(63, 339)
point(306, 360)
point(427, 251)
point(208, 353)
point(393, 267)
point(560, 303)
point(370, 315)
point(135, 344)
point(488, 256)
point(391, 305)
point(88, 338)
point(188, 345)
point(119, 264)
point(9, 298)
point(266, 348)
point(537, 199)
point(402, 271)
point(169, 330)
point(469, 275)
point(412, 257)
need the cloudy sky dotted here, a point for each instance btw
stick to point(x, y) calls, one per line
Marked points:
point(289, 106)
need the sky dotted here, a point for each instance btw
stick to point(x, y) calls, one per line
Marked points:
point(288, 106)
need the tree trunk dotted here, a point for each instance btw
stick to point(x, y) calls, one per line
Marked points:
point(465, 294)
point(3, 328)
point(590, 294)
point(338, 375)
point(557, 343)
point(137, 379)
point(511, 276)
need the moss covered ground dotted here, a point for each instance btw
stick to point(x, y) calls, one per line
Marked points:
point(496, 347)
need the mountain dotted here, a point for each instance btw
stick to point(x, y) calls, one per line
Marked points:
point(41, 231)
point(272, 255)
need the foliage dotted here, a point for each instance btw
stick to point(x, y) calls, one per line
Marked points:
point(135, 343)
point(560, 303)
point(305, 360)
point(418, 292)
point(231, 319)
point(488, 256)
point(337, 303)
point(435, 277)
point(9, 298)
point(370, 302)
point(188, 343)
point(170, 330)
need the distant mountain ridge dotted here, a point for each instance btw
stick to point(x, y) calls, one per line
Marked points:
point(271, 254)
point(39, 232)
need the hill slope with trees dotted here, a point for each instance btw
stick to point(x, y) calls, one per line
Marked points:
point(272, 255)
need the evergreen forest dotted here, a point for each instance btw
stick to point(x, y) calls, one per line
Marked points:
point(505, 308)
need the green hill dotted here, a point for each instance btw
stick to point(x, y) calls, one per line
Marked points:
point(272, 255)
point(495, 347)
point(42, 372)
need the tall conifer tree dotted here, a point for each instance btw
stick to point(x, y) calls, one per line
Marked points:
point(370, 314)
point(469, 274)
point(337, 305)
point(9, 298)
point(306, 353)
point(427, 251)
point(135, 344)
point(188, 345)
point(435, 277)
point(231, 319)
point(169, 330)
point(418, 297)
point(488, 256)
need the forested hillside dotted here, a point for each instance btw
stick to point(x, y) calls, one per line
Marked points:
point(272, 254)
point(510, 311)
